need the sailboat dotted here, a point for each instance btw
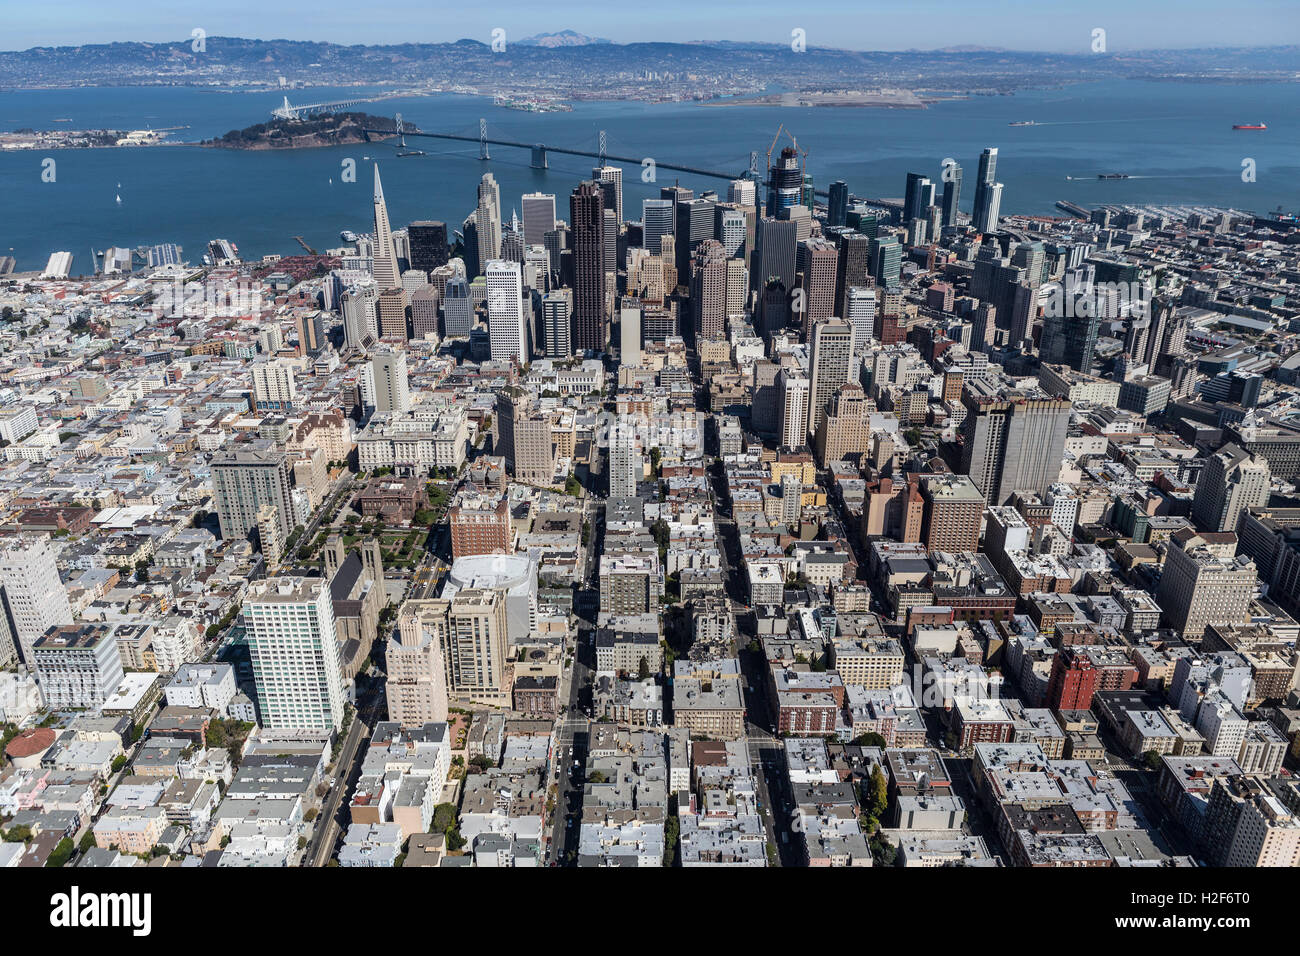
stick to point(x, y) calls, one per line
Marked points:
point(119, 199)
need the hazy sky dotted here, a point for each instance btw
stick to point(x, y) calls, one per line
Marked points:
point(1059, 25)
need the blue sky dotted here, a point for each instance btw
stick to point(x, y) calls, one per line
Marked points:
point(1057, 25)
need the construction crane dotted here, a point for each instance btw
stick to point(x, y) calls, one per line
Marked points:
point(779, 130)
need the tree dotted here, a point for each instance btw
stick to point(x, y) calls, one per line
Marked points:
point(596, 776)
point(672, 831)
point(586, 532)
point(878, 792)
point(1152, 760)
point(444, 817)
point(871, 740)
point(61, 854)
point(643, 670)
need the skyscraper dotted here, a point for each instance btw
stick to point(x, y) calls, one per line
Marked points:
point(792, 387)
point(694, 225)
point(785, 182)
point(416, 687)
point(986, 179)
point(612, 174)
point(837, 209)
point(1231, 481)
point(914, 198)
point(887, 261)
point(626, 464)
point(777, 253)
point(385, 268)
point(709, 290)
point(1012, 440)
point(294, 652)
point(246, 479)
point(428, 244)
point(587, 223)
point(987, 220)
point(457, 312)
point(853, 267)
point(656, 222)
point(487, 221)
point(951, 193)
point(742, 192)
point(392, 386)
point(472, 631)
point(555, 323)
point(831, 359)
point(507, 327)
point(818, 261)
point(539, 217)
point(33, 596)
point(274, 387)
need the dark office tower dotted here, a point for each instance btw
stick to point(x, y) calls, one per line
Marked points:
point(709, 290)
point(987, 179)
point(951, 193)
point(587, 223)
point(656, 222)
point(837, 210)
point(774, 307)
point(556, 241)
point(785, 182)
point(469, 238)
point(817, 282)
point(694, 225)
point(612, 258)
point(914, 199)
point(887, 261)
point(775, 258)
point(1069, 340)
point(675, 194)
point(428, 245)
point(853, 268)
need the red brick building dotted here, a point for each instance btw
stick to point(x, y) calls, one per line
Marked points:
point(480, 526)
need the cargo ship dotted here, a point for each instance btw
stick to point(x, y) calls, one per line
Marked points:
point(1250, 126)
point(1112, 175)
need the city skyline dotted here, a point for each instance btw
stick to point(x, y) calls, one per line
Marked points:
point(1014, 25)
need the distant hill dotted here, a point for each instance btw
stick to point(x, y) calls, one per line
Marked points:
point(562, 38)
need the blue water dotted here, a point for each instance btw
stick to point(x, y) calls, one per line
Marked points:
point(1174, 139)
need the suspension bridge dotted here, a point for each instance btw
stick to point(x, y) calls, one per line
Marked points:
point(540, 152)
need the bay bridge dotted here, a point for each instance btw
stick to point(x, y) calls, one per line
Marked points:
point(289, 111)
point(540, 152)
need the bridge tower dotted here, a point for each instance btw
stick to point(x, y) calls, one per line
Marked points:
point(401, 134)
point(602, 147)
point(753, 164)
point(482, 140)
point(539, 156)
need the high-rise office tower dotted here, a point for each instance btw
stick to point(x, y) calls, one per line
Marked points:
point(1205, 582)
point(853, 268)
point(243, 481)
point(294, 651)
point(507, 327)
point(555, 323)
point(587, 223)
point(1013, 440)
point(987, 221)
point(472, 630)
point(860, 314)
point(391, 310)
point(951, 193)
point(424, 312)
point(793, 387)
point(487, 221)
point(887, 261)
point(846, 430)
point(656, 222)
point(951, 514)
point(626, 465)
point(428, 241)
point(457, 312)
point(817, 261)
point(523, 437)
point(731, 227)
point(1231, 481)
point(311, 332)
point(1067, 339)
point(34, 599)
point(742, 192)
point(614, 175)
point(416, 685)
point(831, 359)
point(986, 178)
point(274, 387)
point(694, 225)
point(539, 217)
point(387, 275)
point(629, 336)
point(709, 290)
point(777, 253)
point(914, 198)
point(392, 385)
point(837, 208)
point(785, 182)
